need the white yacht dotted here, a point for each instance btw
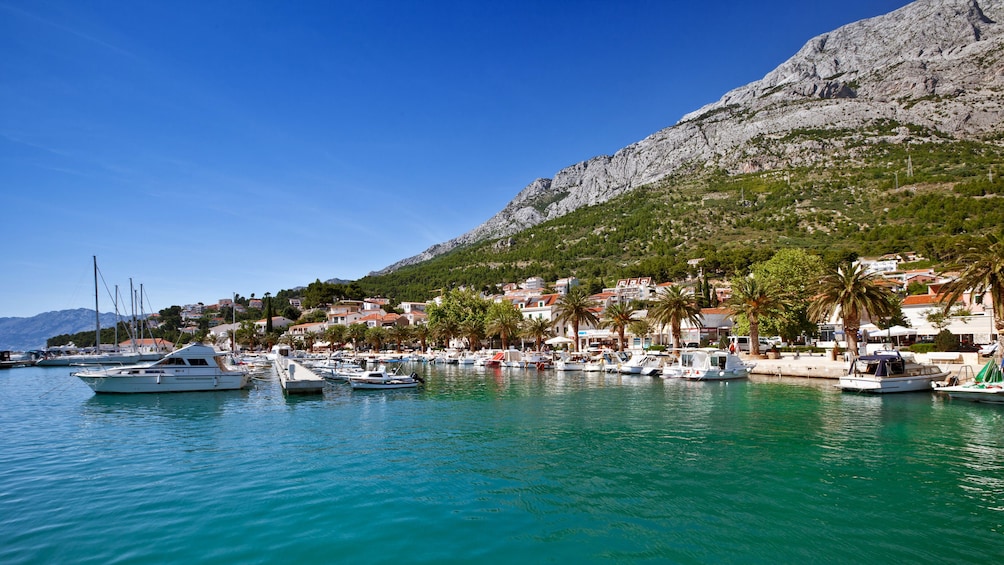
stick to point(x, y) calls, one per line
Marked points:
point(192, 368)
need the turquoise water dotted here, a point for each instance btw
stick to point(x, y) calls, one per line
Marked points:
point(497, 466)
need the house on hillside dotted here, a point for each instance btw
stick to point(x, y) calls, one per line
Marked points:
point(278, 322)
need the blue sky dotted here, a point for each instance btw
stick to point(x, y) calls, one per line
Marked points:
point(205, 148)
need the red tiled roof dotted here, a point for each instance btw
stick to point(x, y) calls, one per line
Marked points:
point(922, 299)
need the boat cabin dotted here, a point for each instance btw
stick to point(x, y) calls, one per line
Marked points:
point(880, 365)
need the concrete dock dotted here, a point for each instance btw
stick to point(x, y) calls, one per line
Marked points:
point(296, 378)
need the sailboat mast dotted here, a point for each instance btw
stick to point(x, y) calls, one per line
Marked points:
point(132, 313)
point(142, 315)
point(116, 318)
point(97, 313)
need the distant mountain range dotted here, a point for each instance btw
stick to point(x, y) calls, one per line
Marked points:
point(21, 334)
point(934, 69)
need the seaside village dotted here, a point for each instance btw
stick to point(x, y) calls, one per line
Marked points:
point(622, 329)
point(536, 299)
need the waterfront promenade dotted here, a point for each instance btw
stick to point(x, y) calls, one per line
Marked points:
point(821, 366)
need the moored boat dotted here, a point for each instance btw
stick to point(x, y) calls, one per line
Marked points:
point(707, 364)
point(715, 365)
point(889, 371)
point(192, 368)
point(988, 386)
point(571, 362)
point(380, 379)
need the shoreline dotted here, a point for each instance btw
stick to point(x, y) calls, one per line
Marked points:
point(822, 367)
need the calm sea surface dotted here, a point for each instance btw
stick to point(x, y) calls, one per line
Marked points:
point(497, 466)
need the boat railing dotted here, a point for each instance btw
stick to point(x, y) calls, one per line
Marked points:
point(965, 375)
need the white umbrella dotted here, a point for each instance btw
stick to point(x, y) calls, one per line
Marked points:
point(560, 340)
point(899, 331)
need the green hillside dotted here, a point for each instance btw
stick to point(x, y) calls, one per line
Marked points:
point(861, 199)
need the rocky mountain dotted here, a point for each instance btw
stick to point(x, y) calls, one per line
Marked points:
point(932, 70)
point(21, 334)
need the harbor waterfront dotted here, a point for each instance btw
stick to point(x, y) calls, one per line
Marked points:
point(498, 465)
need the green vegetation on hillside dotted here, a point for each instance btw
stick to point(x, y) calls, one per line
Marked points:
point(861, 201)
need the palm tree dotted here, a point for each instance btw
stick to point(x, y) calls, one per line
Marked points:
point(617, 316)
point(444, 329)
point(503, 320)
point(473, 329)
point(421, 333)
point(672, 308)
point(335, 334)
point(537, 329)
point(576, 307)
point(756, 299)
point(376, 336)
point(308, 341)
point(982, 271)
point(856, 293)
point(356, 332)
point(247, 334)
point(398, 334)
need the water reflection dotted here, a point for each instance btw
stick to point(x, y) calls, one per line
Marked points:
point(191, 406)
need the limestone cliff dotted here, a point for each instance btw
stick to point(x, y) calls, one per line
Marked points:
point(934, 69)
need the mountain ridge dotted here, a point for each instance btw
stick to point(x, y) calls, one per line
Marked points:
point(934, 66)
point(20, 334)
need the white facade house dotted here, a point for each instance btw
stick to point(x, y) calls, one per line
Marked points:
point(879, 265)
point(533, 283)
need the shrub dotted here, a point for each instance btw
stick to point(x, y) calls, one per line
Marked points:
point(922, 348)
point(946, 341)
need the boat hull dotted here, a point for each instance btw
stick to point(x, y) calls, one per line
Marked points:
point(989, 394)
point(363, 385)
point(717, 375)
point(145, 384)
point(884, 385)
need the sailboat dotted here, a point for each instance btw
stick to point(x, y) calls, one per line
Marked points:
point(96, 358)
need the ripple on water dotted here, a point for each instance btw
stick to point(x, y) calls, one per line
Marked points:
point(496, 465)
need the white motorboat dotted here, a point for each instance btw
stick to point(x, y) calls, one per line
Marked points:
point(642, 363)
point(653, 363)
point(571, 362)
point(380, 379)
point(539, 360)
point(706, 365)
point(889, 371)
point(192, 368)
point(597, 363)
point(988, 386)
